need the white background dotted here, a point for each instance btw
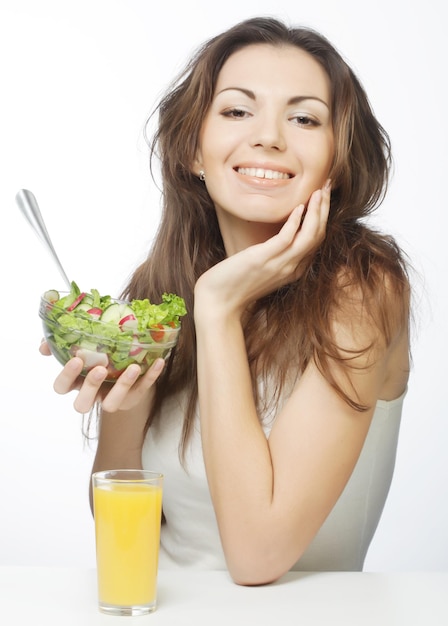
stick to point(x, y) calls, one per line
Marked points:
point(77, 81)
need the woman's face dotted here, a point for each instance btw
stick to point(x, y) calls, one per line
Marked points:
point(267, 140)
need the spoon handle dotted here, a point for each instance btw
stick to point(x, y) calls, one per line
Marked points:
point(27, 203)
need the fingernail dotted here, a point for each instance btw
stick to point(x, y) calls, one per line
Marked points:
point(132, 372)
point(327, 185)
point(98, 375)
point(74, 363)
point(157, 365)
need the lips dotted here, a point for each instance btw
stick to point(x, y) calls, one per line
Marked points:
point(260, 172)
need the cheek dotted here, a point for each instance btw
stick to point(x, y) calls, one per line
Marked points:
point(209, 155)
point(330, 149)
point(322, 158)
point(210, 141)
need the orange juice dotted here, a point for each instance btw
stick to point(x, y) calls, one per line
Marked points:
point(127, 528)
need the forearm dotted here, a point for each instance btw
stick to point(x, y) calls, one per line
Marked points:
point(120, 439)
point(236, 451)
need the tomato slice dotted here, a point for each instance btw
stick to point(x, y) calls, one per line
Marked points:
point(158, 335)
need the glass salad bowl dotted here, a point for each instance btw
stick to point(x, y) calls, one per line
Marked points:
point(105, 331)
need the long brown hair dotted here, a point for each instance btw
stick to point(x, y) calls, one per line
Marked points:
point(188, 241)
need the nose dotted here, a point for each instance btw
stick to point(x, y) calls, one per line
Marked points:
point(268, 133)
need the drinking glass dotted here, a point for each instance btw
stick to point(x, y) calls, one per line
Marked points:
point(127, 508)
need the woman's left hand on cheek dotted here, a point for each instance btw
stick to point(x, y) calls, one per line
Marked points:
point(260, 269)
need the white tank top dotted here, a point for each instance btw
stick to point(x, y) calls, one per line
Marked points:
point(190, 536)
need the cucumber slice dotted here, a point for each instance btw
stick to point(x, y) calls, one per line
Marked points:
point(86, 303)
point(115, 312)
point(51, 296)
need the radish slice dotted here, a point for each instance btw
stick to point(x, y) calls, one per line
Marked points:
point(75, 303)
point(95, 312)
point(92, 358)
point(128, 322)
point(136, 348)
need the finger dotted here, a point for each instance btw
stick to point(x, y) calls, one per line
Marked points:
point(115, 397)
point(326, 202)
point(290, 228)
point(314, 223)
point(322, 201)
point(65, 381)
point(90, 389)
point(310, 228)
point(44, 348)
point(317, 212)
point(130, 380)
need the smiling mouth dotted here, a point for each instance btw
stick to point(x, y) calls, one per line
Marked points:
point(259, 172)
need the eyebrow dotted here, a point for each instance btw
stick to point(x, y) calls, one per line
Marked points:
point(294, 100)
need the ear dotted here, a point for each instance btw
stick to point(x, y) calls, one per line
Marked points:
point(197, 164)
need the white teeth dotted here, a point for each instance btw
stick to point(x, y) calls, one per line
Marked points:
point(259, 172)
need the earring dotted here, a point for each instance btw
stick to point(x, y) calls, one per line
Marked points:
point(202, 175)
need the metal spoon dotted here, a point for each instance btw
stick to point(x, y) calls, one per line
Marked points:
point(28, 205)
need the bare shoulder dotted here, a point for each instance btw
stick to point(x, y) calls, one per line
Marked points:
point(370, 327)
point(397, 368)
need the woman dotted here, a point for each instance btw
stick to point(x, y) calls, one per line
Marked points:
point(276, 420)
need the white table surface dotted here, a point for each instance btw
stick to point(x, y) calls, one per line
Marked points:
point(44, 596)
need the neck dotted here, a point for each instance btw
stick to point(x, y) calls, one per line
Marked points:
point(239, 235)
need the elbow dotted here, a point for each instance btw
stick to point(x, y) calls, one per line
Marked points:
point(252, 581)
point(258, 570)
point(261, 557)
point(248, 577)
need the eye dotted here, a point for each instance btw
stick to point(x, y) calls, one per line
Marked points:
point(235, 113)
point(305, 120)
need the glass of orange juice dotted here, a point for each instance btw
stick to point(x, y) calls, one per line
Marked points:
point(128, 509)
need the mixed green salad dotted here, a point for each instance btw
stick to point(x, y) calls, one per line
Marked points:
point(104, 331)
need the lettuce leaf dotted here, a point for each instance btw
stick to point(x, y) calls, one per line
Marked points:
point(168, 312)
